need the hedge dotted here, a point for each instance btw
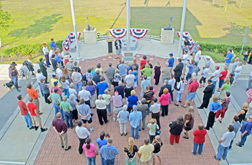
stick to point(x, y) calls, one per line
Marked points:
point(28, 49)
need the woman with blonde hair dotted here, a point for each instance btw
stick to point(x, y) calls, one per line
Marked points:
point(242, 113)
point(131, 152)
point(147, 71)
point(157, 72)
point(188, 121)
point(157, 143)
point(153, 127)
point(117, 78)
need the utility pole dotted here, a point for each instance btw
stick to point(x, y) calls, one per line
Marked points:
point(128, 25)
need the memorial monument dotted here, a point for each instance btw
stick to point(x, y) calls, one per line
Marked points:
point(89, 34)
point(167, 34)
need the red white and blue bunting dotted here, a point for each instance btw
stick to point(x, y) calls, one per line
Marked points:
point(189, 37)
point(69, 39)
point(118, 33)
point(138, 33)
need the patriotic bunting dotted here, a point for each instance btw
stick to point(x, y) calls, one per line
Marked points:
point(118, 33)
point(189, 37)
point(138, 33)
point(69, 39)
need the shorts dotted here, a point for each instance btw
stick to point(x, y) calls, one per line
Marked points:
point(190, 96)
point(154, 155)
point(89, 121)
point(184, 67)
point(36, 119)
point(116, 110)
point(245, 58)
point(142, 93)
point(202, 79)
point(135, 84)
point(227, 64)
point(188, 76)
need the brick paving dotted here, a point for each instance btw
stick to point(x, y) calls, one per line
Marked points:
point(51, 153)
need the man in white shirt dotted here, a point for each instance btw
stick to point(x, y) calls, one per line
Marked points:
point(224, 143)
point(215, 76)
point(46, 53)
point(204, 75)
point(237, 71)
point(129, 79)
point(197, 55)
point(82, 133)
point(84, 94)
point(185, 61)
point(155, 111)
point(39, 76)
point(59, 72)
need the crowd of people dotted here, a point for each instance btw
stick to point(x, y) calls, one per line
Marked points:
point(74, 93)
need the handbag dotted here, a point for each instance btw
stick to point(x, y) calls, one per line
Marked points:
point(158, 132)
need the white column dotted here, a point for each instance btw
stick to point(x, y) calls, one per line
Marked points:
point(75, 29)
point(128, 25)
point(182, 28)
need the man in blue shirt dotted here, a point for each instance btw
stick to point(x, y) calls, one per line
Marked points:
point(135, 118)
point(228, 57)
point(102, 86)
point(53, 44)
point(190, 69)
point(245, 131)
point(109, 153)
point(171, 61)
point(194, 49)
point(120, 89)
point(122, 69)
point(213, 108)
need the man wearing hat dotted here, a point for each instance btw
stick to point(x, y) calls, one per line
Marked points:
point(43, 68)
point(197, 55)
point(58, 59)
point(13, 74)
point(53, 44)
point(171, 61)
point(46, 53)
point(135, 118)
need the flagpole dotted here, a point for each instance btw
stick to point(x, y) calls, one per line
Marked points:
point(128, 25)
point(182, 28)
point(75, 29)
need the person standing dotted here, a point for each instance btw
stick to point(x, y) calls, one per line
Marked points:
point(101, 106)
point(176, 127)
point(155, 111)
point(208, 92)
point(224, 143)
point(195, 49)
point(101, 141)
point(130, 152)
point(199, 139)
point(24, 112)
point(102, 86)
point(110, 72)
point(73, 103)
point(157, 143)
point(132, 100)
point(191, 92)
point(67, 111)
point(246, 54)
point(118, 46)
point(214, 107)
point(46, 53)
point(45, 89)
point(178, 70)
point(107, 98)
point(215, 76)
point(109, 153)
point(245, 131)
point(60, 128)
point(180, 86)
point(130, 79)
point(70, 65)
point(91, 89)
point(235, 64)
point(188, 121)
point(166, 85)
point(84, 112)
point(145, 152)
point(84, 94)
point(237, 71)
point(228, 57)
point(117, 103)
point(76, 78)
point(153, 127)
point(236, 124)
point(56, 99)
point(148, 95)
point(40, 76)
point(122, 69)
point(204, 76)
point(145, 83)
point(172, 82)
point(13, 75)
point(224, 104)
point(197, 57)
point(157, 72)
point(171, 62)
point(34, 94)
point(90, 151)
point(53, 44)
point(135, 118)
point(147, 71)
point(165, 101)
point(134, 64)
point(143, 108)
point(43, 68)
point(35, 116)
point(123, 118)
point(222, 77)
point(166, 72)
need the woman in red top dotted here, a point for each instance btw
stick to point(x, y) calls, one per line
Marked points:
point(222, 77)
point(199, 139)
point(142, 63)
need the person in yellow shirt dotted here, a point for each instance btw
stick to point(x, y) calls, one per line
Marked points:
point(53, 79)
point(145, 152)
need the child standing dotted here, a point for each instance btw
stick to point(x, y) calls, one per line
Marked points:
point(213, 108)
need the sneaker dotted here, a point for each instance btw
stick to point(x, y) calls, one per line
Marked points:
point(32, 128)
point(43, 129)
point(36, 128)
point(185, 137)
point(91, 129)
point(199, 107)
point(68, 148)
point(216, 158)
point(40, 113)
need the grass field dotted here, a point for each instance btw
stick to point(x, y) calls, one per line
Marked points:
point(38, 21)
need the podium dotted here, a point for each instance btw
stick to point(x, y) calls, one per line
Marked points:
point(89, 36)
point(110, 46)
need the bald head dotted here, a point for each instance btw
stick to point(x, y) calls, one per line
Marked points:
point(130, 71)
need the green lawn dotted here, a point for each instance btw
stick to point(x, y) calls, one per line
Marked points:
point(38, 21)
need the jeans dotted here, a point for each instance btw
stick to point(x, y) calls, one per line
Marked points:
point(243, 140)
point(66, 92)
point(78, 86)
point(69, 118)
point(82, 141)
point(109, 162)
point(171, 98)
point(132, 132)
point(14, 79)
point(28, 120)
point(91, 160)
point(109, 107)
point(57, 109)
point(41, 89)
point(214, 83)
point(148, 111)
point(221, 83)
point(222, 152)
point(178, 96)
point(195, 147)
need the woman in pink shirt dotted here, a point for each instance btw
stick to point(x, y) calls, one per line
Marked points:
point(165, 101)
point(90, 151)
